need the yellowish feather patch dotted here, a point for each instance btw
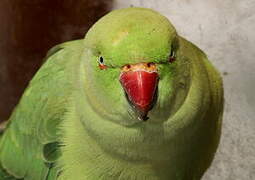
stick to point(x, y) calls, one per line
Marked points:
point(120, 36)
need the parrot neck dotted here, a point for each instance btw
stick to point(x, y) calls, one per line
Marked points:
point(83, 158)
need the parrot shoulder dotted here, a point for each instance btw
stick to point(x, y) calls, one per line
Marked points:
point(29, 145)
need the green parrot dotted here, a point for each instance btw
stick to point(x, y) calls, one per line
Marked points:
point(133, 100)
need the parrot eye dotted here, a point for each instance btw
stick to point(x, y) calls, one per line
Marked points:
point(172, 56)
point(101, 60)
point(101, 64)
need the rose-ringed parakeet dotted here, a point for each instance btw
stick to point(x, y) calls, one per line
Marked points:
point(133, 100)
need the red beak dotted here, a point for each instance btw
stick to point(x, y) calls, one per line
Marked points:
point(140, 84)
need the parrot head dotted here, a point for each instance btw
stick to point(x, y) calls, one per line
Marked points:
point(131, 67)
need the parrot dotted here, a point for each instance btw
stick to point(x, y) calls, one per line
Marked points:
point(132, 100)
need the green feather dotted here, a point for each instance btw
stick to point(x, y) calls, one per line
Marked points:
point(30, 140)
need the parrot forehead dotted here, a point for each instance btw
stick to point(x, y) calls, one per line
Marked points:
point(132, 35)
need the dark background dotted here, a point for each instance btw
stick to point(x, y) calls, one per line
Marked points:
point(28, 29)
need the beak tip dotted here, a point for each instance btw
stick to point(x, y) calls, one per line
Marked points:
point(142, 115)
point(143, 118)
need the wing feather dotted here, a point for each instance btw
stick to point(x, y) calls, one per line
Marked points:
point(29, 146)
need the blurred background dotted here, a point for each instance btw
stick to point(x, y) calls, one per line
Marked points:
point(223, 29)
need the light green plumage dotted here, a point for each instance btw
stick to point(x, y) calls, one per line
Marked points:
point(74, 122)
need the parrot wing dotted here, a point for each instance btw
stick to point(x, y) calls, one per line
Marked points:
point(29, 146)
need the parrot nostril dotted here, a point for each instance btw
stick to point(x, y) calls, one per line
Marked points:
point(126, 67)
